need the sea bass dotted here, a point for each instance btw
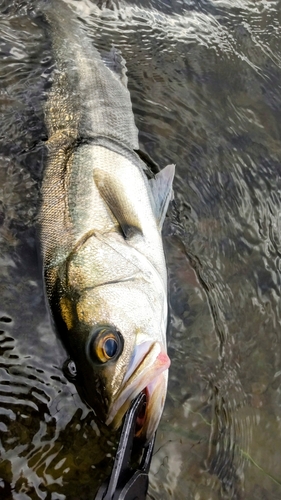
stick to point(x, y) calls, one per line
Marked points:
point(101, 217)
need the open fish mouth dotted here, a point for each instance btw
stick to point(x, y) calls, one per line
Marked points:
point(148, 373)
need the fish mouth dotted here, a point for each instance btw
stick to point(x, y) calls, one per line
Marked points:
point(148, 373)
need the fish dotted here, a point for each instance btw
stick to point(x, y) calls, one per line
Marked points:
point(100, 221)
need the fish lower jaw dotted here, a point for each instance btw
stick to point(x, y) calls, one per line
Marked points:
point(155, 399)
point(147, 372)
point(149, 417)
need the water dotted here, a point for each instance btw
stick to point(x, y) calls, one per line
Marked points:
point(205, 83)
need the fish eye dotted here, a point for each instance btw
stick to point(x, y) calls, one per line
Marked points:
point(105, 344)
point(110, 347)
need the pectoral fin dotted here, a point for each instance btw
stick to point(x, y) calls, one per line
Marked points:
point(162, 191)
point(120, 197)
point(126, 191)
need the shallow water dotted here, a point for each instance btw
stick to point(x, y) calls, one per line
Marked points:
point(205, 83)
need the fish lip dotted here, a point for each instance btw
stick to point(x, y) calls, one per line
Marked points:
point(145, 374)
point(156, 395)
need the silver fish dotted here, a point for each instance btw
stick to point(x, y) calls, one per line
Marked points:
point(100, 225)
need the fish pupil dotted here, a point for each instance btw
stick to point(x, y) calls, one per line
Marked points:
point(110, 347)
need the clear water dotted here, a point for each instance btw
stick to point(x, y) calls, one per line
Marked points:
point(205, 83)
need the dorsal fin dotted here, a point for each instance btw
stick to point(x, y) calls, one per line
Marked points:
point(162, 192)
point(117, 64)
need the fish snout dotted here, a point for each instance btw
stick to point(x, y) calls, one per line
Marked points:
point(148, 373)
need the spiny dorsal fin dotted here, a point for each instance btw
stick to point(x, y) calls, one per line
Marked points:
point(117, 64)
point(162, 191)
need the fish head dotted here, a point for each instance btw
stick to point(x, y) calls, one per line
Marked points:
point(117, 341)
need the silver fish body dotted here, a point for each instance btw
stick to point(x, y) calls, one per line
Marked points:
point(100, 228)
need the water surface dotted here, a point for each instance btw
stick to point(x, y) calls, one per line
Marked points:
point(204, 78)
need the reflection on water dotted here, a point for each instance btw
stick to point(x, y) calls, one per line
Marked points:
point(205, 83)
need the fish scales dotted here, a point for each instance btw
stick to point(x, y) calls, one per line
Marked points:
point(100, 230)
point(87, 99)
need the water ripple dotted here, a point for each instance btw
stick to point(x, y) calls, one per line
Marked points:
point(204, 78)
